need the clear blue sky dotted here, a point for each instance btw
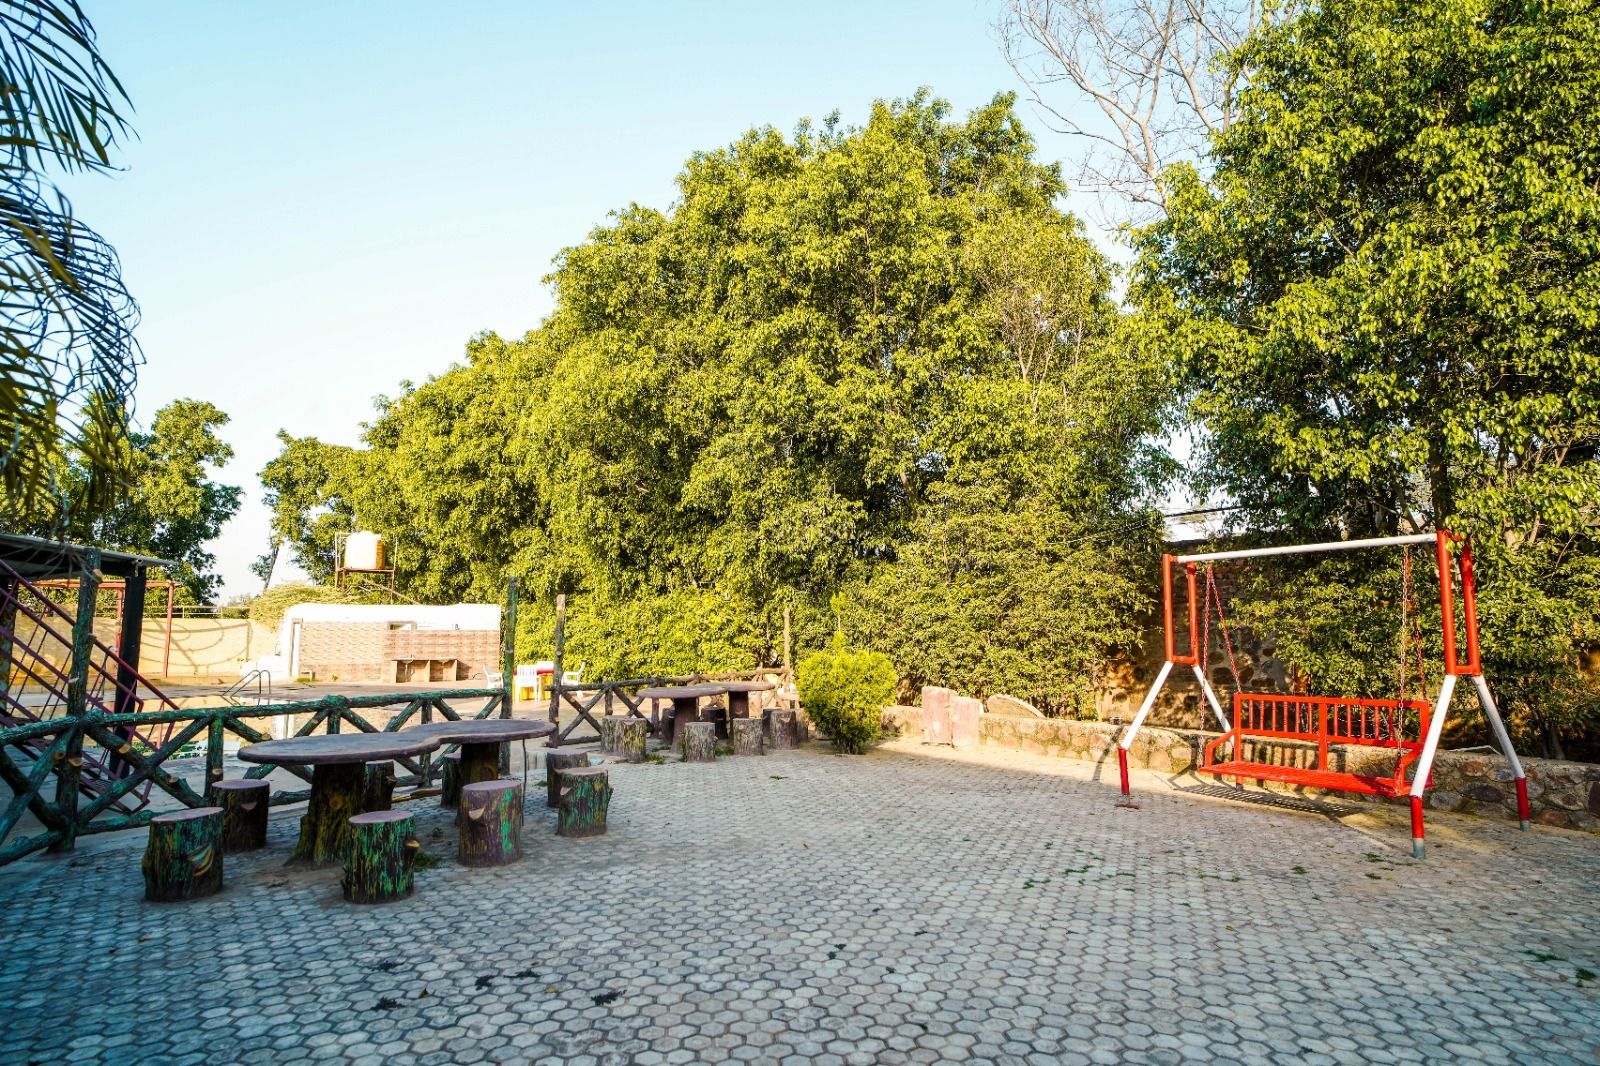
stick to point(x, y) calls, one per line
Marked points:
point(327, 198)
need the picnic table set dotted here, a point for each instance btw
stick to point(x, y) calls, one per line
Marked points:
point(349, 820)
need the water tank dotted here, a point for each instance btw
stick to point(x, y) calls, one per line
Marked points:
point(363, 551)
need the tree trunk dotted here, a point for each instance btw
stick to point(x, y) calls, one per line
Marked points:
point(450, 780)
point(491, 823)
point(183, 859)
point(585, 795)
point(784, 731)
point(480, 762)
point(556, 760)
point(623, 735)
point(379, 792)
point(383, 850)
point(747, 737)
point(698, 741)
point(336, 792)
point(244, 812)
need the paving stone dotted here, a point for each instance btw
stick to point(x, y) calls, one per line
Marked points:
point(728, 916)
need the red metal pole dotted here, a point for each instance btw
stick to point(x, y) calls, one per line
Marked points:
point(1447, 604)
point(1122, 764)
point(1416, 827)
point(1469, 608)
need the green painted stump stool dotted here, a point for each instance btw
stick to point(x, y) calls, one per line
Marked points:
point(585, 796)
point(491, 823)
point(555, 761)
point(699, 741)
point(378, 793)
point(184, 857)
point(244, 812)
point(450, 780)
point(747, 739)
point(383, 852)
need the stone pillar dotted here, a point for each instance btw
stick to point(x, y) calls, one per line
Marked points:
point(964, 715)
point(936, 714)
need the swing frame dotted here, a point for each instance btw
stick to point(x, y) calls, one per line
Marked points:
point(1453, 557)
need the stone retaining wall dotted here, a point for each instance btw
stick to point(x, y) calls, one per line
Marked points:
point(1563, 794)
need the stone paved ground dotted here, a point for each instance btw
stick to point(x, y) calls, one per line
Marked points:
point(806, 908)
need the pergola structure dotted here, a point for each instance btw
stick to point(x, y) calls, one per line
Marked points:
point(39, 562)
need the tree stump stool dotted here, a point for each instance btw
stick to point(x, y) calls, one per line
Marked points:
point(556, 760)
point(747, 737)
point(491, 823)
point(183, 859)
point(699, 740)
point(244, 812)
point(383, 851)
point(624, 735)
point(378, 794)
point(783, 730)
point(450, 780)
point(585, 795)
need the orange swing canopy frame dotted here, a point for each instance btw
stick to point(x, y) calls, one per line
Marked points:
point(1329, 721)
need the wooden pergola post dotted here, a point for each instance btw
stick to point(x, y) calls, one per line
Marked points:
point(70, 772)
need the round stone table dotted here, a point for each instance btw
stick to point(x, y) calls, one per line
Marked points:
point(685, 704)
point(480, 740)
point(338, 779)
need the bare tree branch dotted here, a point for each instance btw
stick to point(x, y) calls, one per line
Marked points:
point(1143, 82)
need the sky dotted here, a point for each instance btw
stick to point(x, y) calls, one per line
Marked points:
point(326, 199)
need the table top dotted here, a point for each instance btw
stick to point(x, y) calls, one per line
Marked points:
point(333, 749)
point(482, 730)
point(682, 692)
point(747, 686)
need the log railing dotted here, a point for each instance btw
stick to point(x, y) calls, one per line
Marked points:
point(620, 697)
point(35, 755)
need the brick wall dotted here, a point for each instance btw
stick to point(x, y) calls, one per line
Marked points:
point(349, 651)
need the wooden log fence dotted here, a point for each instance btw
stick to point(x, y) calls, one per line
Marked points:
point(34, 753)
point(613, 698)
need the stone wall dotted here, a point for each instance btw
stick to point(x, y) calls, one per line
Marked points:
point(1562, 794)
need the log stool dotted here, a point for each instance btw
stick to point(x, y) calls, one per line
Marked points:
point(378, 793)
point(585, 795)
point(184, 857)
point(491, 823)
point(556, 760)
point(783, 730)
point(383, 850)
point(450, 780)
point(244, 812)
point(699, 741)
point(623, 735)
point(747, 737)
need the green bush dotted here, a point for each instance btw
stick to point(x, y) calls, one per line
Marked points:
point(845, 693)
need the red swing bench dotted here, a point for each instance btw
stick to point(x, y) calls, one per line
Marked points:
point(1333, 723)
point(1329, 722)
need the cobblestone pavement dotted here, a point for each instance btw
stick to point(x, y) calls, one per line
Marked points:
point(905, 906)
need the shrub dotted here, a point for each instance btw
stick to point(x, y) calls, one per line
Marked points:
point(845, 693)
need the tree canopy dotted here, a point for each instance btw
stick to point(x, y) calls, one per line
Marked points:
point(166, 504)
point(1383, 303)
point(849, 361)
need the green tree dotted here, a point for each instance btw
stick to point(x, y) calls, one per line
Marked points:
point(167, 504)
point(1384, 302)
point(770, 393)
point(66, 329)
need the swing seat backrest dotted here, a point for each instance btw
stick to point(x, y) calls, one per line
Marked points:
point(1327, 722)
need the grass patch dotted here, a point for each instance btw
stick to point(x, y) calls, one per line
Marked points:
point(426, 860)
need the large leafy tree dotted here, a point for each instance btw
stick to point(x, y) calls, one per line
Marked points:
point(67, 354)
point(1385, 302)
point(167, 503)
point(790, 385)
